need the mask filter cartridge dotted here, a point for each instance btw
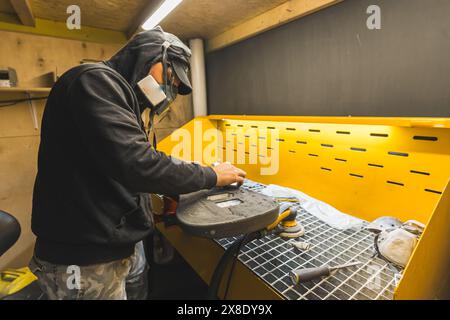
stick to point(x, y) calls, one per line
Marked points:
point(152, 90)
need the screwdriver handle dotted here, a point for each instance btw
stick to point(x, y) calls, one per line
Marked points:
point(308, 274)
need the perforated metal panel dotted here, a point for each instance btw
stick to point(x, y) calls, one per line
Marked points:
point(365, 170)
point(272, 258)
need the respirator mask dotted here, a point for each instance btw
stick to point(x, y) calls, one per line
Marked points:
point(160, 96)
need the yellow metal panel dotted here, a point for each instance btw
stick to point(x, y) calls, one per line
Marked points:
point(365, 170)
point(427, 274)
point(194, 134)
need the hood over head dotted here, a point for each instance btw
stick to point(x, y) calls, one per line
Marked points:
point(135, 59)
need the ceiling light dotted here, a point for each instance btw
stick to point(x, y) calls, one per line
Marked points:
point(165, 8)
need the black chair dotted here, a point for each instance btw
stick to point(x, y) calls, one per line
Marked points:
point(9, 231)
point(9, 234)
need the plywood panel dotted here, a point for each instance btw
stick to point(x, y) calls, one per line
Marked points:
point(33, 56)
point(6, 7)
point(17, 120)
point(111, 14)
point(202, 18)
point(18, 158)
point(180, 113)
point(207, 18)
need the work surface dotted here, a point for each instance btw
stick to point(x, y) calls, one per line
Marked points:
point(271, 258)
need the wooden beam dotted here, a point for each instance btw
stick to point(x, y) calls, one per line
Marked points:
point(24, 12)
point(59, 30)
point(143, 16)
point(284, 13)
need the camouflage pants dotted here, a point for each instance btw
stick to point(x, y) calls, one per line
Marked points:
point(106, 281)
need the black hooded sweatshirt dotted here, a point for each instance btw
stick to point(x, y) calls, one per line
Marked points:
point(96, 164)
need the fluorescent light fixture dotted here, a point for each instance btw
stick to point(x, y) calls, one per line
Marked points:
point(165, 8)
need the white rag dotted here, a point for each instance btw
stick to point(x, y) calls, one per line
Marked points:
point(317, 208)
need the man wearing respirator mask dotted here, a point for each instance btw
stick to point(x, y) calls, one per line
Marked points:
point(96, 167)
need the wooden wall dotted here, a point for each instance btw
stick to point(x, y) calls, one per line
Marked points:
point(33, 56)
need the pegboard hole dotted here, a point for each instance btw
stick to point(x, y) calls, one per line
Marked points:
point(326, 145)
point(425, 138)
point(326, 169)
point(433, 191)
point(420, 172)
point(314, 130)
point(400, 154)
point(358, 149)
point(356, 175)
point(291, 129)
point(343, 132)
point(375, 165)
point(381, 135)
point(301, 142)
point(339, 159)
point(396, 183)
point(313, 155)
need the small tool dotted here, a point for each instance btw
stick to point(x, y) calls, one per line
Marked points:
point(302, 246)
point(308, 274)
point(287, 226)
point(287, 199)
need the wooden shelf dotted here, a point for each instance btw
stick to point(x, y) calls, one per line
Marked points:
point(24, 90)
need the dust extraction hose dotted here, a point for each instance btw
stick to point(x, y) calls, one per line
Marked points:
point(227, 257)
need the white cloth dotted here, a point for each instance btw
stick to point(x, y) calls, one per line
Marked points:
point(317, 208)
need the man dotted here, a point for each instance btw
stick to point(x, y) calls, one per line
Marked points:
point(96, 168)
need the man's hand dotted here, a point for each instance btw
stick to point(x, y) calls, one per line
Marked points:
point(228, 174)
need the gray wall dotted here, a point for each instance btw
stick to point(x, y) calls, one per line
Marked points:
point(329, 63)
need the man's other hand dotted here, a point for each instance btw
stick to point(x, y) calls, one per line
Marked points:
point(228, 174)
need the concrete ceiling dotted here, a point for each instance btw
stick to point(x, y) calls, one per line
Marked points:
point(193, 18)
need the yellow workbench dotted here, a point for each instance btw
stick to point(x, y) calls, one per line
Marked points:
point(366, 167)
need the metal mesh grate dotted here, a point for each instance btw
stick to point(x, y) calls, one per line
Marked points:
point(272, 258)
